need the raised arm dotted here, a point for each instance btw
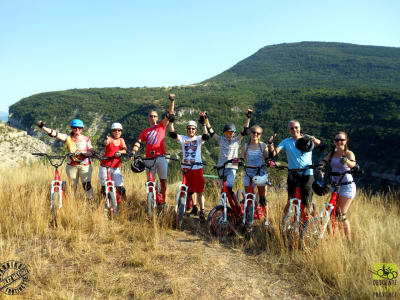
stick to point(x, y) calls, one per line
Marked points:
point(51, 132)
point(170, 116)
point(246, 124)
point(171, 132)
point(211, 131)
point(202, 120)
point(271, 148)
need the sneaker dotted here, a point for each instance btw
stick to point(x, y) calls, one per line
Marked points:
point(202, 215)
point(194, 210)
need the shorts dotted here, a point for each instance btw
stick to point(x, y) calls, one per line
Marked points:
point(230, 175)
point(306, 191)
point(115, 175)
point(82, 172)
point(195, 180)
point(160, 167)
point(252, 173)
point(347, 190)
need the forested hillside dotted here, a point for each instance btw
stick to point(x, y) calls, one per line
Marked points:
point(315, 64)
point(364, 107)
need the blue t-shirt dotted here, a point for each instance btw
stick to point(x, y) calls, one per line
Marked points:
point(296, 158)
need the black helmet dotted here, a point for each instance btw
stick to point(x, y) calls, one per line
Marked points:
point(230, 127)
point(138, 166)
point(320, 187)
point(305, 144)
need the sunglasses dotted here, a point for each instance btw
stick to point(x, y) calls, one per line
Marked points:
point(76, 128)
point(295, 127)
point(116, 130)
point(191, 128)
point(256, 133)
point(153, 116)
point(339, 140)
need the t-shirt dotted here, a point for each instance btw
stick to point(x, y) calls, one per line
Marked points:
point(191, 149)
point(154, 138)
point(296, 158)
point(111, 149)
point(228, 149)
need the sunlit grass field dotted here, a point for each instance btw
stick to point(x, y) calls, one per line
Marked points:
point(89, 257)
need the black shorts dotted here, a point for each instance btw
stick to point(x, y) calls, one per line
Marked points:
point(305, 182)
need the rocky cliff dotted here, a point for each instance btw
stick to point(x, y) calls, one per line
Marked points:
point(16, 146)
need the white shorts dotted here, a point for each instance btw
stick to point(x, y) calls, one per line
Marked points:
point(347, 190)
point(115, 173)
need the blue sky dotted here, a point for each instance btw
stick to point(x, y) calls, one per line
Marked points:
point(58, 45)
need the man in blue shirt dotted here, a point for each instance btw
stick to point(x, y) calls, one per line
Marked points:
point(297, 160)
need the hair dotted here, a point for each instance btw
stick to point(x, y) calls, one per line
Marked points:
point(151, 111)
point(292, 121)
point(334, 147)
point(255, 127)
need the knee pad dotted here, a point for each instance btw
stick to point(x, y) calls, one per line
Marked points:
point(121, 190)
point(340, 217)
point(263, 201)
point(103, 190)
point(87, 186)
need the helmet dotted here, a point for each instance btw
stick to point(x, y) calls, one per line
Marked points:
point(138, 166)
point(260, 180)
point(320, 187)
point(76, 123)
point(305, 144)
point(191, 123)
point(230, 127)
point(116, 126)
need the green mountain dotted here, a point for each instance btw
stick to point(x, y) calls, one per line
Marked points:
point(315, 64)
point(325, 94)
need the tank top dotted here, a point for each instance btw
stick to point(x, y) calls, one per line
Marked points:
point(337, 166)
point(111, 149)
point(255, 157)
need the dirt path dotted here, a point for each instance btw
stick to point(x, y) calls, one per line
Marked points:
point(209, 269)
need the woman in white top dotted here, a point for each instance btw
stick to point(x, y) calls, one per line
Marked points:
point(341, 159)
point(255, 153)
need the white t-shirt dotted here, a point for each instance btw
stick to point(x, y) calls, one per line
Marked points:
point(191, 149)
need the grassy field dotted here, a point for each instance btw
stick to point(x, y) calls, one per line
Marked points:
point(89, 257)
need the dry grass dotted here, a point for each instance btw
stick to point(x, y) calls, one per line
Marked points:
point(89, 257)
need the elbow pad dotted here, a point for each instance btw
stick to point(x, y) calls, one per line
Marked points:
point(172, 134)
point(205, 137)
point(244, 132)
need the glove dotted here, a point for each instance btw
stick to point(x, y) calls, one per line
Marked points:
point(117, 154)
point(171, 97)
point(202, 120)
point(248, 114)
point(344, 160)
point(40, 124)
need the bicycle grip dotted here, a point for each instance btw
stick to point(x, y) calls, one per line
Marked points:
point(38, 154)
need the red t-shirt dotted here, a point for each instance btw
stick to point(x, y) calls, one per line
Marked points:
point(154, 138)
point(111, 149)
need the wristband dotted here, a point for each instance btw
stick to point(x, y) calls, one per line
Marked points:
point(51, 133)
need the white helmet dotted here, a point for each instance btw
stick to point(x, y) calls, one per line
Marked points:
point(116, 126)
point(191, 123)
point(260, 180)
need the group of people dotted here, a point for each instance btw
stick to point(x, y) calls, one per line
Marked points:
point(254, 153)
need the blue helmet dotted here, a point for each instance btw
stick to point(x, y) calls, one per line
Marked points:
point(76, 123)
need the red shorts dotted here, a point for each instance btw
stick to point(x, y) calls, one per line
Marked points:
point(195, 180)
